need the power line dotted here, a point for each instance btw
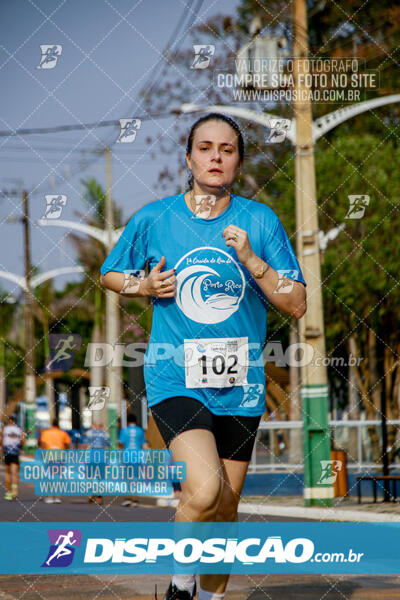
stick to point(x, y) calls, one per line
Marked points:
point(53, 149)
point(153, 80)
point(165, 54)
point(115, 123)
point(31, 159)
point(83, 126)
point(162, 57)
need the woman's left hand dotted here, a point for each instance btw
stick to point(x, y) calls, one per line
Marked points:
point(238, 239)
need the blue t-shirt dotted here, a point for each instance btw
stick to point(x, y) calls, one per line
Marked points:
point(216, 298)
point(132, 437)
point(12, 440)
point(97, 439)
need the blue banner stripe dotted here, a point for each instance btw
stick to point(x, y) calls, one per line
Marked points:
point(247, 548)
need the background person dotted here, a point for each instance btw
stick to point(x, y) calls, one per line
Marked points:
point(96, 439)
point(12, 439)
point(76, 437)
point(54, 438)
point(131, 437)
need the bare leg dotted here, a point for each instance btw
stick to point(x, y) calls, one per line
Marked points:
point(204, 481)
point(14, 479)
point(204, 478)
point(14, 473)
point(234, 476)
point(8, 478)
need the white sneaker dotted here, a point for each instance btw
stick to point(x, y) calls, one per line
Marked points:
point(171, 502)
point(49, 500)
point(57, 500)
point(127, 503)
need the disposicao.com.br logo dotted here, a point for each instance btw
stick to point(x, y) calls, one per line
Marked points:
point(239, 547)
point(248, 551)
point(187, 551)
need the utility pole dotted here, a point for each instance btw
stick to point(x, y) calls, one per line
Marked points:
point(385, 455)
point(30, 383)
point(114, 375)
point(314, 386)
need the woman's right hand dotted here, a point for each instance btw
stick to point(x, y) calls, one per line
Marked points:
point(159, 284)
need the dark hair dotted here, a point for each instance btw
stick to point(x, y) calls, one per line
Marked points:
point(214, 117)
point(131, 418)
point(55, 422)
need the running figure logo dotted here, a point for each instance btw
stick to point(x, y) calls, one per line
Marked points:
point(54, 205)
point(129, 128)
point(329, 471)
point(202, 56)
point(252, 393)
point(357, 206)
point(50, 55)
point(285, 282)
point(62, 348)
point(62, 547)
point(204, 204)
point(278, 130)
point(98, 396)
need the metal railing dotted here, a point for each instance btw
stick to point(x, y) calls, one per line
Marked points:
point(272, 450)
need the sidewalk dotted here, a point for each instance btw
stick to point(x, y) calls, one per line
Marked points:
point(241, 587)
point(344, 509)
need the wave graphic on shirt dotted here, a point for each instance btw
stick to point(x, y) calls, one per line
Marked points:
point(214, 309)
point(222, 301)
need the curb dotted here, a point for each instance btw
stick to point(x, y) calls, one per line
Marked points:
point(322, 514)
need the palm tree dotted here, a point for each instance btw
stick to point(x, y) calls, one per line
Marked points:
point(91, 255)
point(49, 309)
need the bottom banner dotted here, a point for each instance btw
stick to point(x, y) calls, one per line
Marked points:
point(247, 548)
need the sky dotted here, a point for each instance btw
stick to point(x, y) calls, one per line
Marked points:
point(109, 49)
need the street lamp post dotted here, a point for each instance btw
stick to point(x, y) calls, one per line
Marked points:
point(28, 284)
point(108, 237)
point(113, 378)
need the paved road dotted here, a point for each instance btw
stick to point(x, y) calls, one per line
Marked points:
point(241, 587)
point(29, 507)
point(140, 587)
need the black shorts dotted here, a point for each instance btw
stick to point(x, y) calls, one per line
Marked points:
point(234, 435)
point(11, 458)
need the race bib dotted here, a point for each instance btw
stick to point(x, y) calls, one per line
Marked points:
point(216, 362)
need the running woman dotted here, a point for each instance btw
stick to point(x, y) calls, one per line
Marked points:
point(214, 259)
point(12, 439)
